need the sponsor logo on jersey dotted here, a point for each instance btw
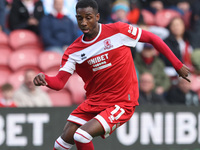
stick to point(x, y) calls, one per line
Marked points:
point(107, 44)
point(99, 62)
point(98, 59)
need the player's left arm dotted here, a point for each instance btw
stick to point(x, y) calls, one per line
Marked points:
point(160, 45)
point(57, 82)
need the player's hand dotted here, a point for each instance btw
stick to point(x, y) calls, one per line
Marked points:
point(184, 72)
point(40, 80)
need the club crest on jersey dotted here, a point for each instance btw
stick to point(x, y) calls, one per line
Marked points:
point(107, 44)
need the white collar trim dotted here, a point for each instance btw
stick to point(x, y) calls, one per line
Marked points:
point(89, 42)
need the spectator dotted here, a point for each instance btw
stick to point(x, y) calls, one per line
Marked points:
point(7, 93)
point(182, 94)
point(57, 30)
point(134, 16)
point(155, 6)
point(68, 8)
point(2, 14)
point(105, 9)
point(3, 17)
point(178, 42)
point(120, 11)
point(26, 14)
point(28, 95)
point(162, 32)
point(147, 95)
point(195, 24)
point(183, 7)
point(148, 61)
point(195, 76)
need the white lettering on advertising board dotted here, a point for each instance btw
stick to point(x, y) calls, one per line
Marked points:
point(11, 129)
point(160, 128)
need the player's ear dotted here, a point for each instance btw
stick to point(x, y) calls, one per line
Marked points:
point(97, 17)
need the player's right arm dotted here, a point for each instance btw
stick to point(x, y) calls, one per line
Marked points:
point(55, 82)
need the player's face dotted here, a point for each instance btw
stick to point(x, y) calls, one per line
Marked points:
point(87, 20)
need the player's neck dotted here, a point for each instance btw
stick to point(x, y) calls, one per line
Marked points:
point(87, 39)
point(92, 36)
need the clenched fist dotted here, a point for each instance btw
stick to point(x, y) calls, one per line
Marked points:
point(40, 80)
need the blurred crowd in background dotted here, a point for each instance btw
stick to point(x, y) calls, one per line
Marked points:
point(35, 33)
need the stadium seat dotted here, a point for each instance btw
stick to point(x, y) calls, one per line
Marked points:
point(163, 17)
point(3, 39)
point(16, 79)
point(49, 60)
point(32, 50)
point(148, 17)
point(22, 60)
point(5, 72)
point(22, 38)
point(76, 86)
point(60, 98)
point(4, 56)
point(51, 72)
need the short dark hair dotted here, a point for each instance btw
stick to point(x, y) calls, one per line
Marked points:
point(6, 87)
point(87, 3)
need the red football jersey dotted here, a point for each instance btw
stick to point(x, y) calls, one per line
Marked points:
point(106, 65)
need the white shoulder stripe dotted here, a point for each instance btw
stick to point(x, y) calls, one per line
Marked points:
point(116, 41)
point(69, 66)
point(103, 46)
point(129, 41)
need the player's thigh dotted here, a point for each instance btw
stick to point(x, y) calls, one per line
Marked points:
point(113, 117)
point(69, 131)
point(93, 127)
point(108, 120)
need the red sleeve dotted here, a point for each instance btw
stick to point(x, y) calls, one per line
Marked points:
point(160, 45)
point(127, 29)
point(57, 82)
